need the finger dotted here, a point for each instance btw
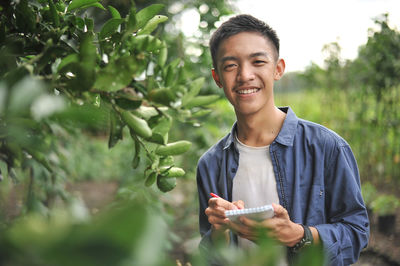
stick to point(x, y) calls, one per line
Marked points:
point(214, 202)
point(214, 220)
point(239, 227)
point(239, 204)
point(218, 211)
point(248, 222)
point(280, 211)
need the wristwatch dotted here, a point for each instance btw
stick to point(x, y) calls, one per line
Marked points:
point(305, 241)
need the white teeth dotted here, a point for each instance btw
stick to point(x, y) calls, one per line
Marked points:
point(247, 91)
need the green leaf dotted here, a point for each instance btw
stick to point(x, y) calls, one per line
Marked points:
point(202, 100)
point(131, 20)
point(115, 129)
point(25, 17)
point(146, 43)
point(200, 113)
point(71, 58)
point(80, 4)
point(160, 131)
point(162, 56)
point(88, 52)
point(89, 24)
point(170, 77)
point(150, 179)
point(98, 5)
point(162, 95)
point(194, 89)
point(136, 157)
point(152, 24)
point(145, 14)
point(128, 102)
point(54, 14)
point(117, 74)
point(114, 12)
point(166, 160)
point(110, 27)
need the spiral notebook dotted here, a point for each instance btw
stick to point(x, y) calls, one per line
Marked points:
point(258, 213)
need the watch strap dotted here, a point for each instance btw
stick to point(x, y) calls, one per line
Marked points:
point(305, 241)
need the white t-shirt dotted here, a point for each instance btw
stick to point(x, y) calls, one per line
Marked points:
point(254, 182)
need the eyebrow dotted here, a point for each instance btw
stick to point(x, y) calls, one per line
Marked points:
point(227, 58)
point(259, 54)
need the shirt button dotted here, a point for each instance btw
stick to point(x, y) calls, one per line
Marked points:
point(233, 170)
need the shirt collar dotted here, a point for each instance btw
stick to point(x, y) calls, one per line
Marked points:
point(285, 136)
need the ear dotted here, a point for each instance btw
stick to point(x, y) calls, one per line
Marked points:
point(279, 69)
point(216, 77)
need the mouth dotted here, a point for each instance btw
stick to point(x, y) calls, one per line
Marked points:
point(246, 91)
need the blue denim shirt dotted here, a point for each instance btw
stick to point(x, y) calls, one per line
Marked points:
point(317, 181)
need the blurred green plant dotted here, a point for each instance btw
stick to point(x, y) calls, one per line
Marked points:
point(129, 233)
point(369, 193)
point(368, 88)
point(385, 204)
point(56, 70)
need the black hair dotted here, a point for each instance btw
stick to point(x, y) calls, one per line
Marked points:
point(238, 24)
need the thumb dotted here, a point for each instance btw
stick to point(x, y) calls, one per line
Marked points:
point(280, 211)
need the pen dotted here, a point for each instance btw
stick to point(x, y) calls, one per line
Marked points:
point(214, 195)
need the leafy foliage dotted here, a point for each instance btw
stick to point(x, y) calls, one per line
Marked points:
point(385, 205)
point(56, 70)
point(370, 86)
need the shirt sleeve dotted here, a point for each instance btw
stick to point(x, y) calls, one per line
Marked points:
point(203, 192)
point(347, 230)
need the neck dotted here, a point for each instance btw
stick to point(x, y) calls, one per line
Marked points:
point(260, 129)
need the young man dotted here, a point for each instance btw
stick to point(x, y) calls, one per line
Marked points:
point(306, 171)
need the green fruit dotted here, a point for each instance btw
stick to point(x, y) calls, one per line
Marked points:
point(162, 95)
point(174, 148)
point(171, 171)
point(138, 125)
point(175, 172)
point(166, 184)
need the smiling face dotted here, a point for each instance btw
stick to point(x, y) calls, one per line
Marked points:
point(246, 69)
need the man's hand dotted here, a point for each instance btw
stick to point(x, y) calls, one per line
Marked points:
point(280, 227)
point(216, 213)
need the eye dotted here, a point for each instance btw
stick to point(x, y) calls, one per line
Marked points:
point(259, 62)
point(229, 67)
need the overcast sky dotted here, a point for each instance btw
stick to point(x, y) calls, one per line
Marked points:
point(305, 26)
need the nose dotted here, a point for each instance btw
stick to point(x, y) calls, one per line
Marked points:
point(245, 73)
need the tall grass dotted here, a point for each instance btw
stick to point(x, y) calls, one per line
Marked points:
point(373, 138)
